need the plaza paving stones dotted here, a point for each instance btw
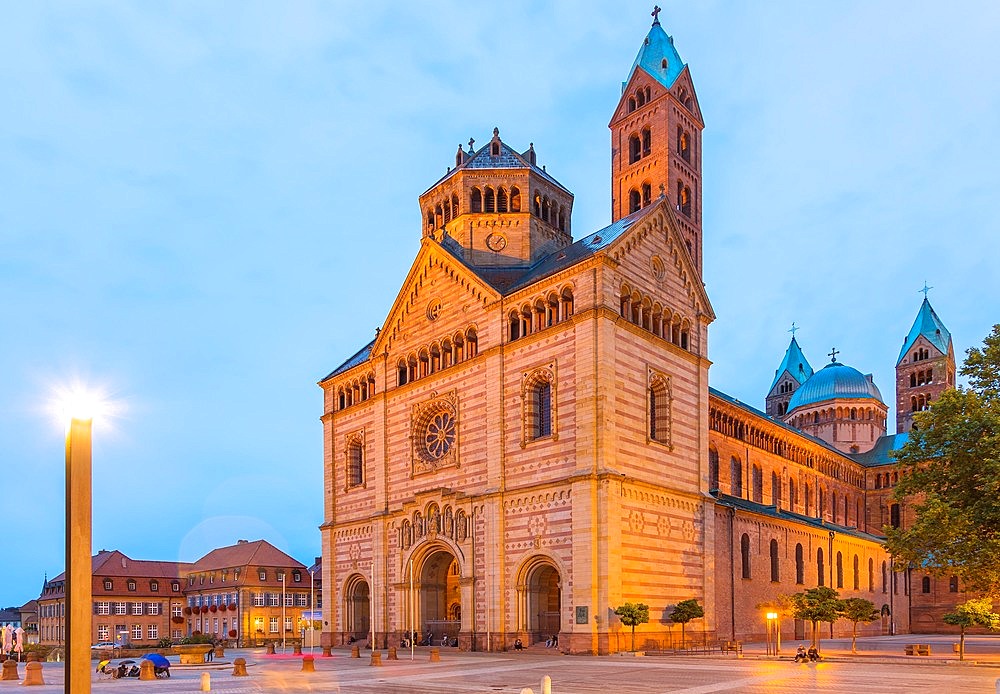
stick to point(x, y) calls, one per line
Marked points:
point(880, 667)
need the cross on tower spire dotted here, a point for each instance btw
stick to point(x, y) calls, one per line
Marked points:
point(793, 329)
point(656, 14)
point(833, 355)
point(925, 289)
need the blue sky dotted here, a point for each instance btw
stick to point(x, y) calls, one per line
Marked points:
point(207, 207)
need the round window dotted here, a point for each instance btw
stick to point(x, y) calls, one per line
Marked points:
point(439, 435)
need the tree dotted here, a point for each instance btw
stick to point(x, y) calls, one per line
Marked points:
point(684, 612)
point(976, 612)
point(858, 610)
point(951, 465)
point(631, 614)
point(817, 605)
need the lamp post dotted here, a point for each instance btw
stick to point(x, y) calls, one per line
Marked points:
point(772, 629)
point(312, 611)
point(282, 577)
point(79, 570)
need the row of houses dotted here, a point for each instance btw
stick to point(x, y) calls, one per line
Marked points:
point(248, 593)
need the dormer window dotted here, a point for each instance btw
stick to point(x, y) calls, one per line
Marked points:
point(131, 585)
point(154, 586)
point(108, 585)
point(495, 149)
point(663, 64)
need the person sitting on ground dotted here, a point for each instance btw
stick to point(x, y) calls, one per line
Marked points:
point(548, 642)
point(518, 646)
point(350, 640)
point(800, 654)
point(555, 640)
point(813, 654)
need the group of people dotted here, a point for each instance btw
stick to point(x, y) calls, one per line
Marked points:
point(551, 642)
point(803, 655)
point(427, 640)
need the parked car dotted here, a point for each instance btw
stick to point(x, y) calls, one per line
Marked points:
point(103, 645)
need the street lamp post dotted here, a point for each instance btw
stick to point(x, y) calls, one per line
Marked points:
point(79, 571)
point(312, 611)
point(772, 629)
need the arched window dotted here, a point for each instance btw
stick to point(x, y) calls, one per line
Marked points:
point(659, 410)
point(546, 209)
point(857, 573)
point(490, 200)
point(713, 470)
point(683, 199)
point(430, 218)
point(515, 325)
point(501, 200)
point(953, 584)
point(885, 579)
point(631, 104)
point(565, 304)
point(925, 584)
point(791, 494)
point(472, 343)
point(515, 200)
point(820, 568)
point(757, 484)
point(840, 570)
point(684, 145)
point(736, 476)
point(894, 515)
point(541, 410)
point(800, 565)
point(537, 205)
point(634, 149)
point(871, 575)
point(808, 499)
point(634, 201)
point(454, 205)
point(476, 203)
point(775, 489)
point(647, 141)
point(647, 193)
point(775, 574)
point(745, 554)
point(355, 463)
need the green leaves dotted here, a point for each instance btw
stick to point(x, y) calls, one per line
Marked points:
point(633, 613)
point(950, 471)
point(686, 610)
point(977, 612)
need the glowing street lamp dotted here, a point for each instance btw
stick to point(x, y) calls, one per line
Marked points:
point(772, 628)
point(78, 411)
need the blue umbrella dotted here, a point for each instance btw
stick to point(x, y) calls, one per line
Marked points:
point(157, 660)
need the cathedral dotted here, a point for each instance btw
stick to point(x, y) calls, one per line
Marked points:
point(531, 439)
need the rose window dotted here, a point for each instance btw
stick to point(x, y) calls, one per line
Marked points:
point(439, 435)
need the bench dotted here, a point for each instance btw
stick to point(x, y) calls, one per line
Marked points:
point(731, 647)
point(917, 649)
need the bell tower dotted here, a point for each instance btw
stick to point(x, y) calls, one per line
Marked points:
point(926, 365)
point(656, 138)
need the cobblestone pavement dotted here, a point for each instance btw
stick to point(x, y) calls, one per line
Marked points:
point(880, 667)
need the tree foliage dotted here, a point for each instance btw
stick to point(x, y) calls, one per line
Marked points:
point(977, 612)
point(817, 605)
point(857, 610)
point(950, 468)
point(632, 614)
point(684, 612)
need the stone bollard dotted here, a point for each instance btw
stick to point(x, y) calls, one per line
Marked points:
point(297, 649)
point(146, 670)
point(33, 657)
point(269, 648)
point(308, 663)
point(206, 682)
point(355, 652)
point(33, 673)
point(392, 653)
point(376, 658)
point(435, 655)
point(546, 685)
point(240, 667)
point(527, 690)
point(220, 652)
point(10, 670)
point(327, 651)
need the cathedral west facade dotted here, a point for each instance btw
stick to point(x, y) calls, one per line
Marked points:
point(531, 440)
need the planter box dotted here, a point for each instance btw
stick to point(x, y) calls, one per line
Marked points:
point(193, 653)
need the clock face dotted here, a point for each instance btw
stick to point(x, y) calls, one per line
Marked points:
point(496, 242)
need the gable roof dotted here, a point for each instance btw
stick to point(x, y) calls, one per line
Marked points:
point(360, 357)
point(244, 553)
point(929, 326)
point(795, 363)
point(117, 563)
point(881, 452)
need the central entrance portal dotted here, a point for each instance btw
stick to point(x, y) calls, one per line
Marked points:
point(543, 602)
point(440, 601)
point(357, 609)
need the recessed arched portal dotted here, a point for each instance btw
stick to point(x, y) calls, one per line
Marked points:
point(440, 599)
point(541, 596)
point(357, 609)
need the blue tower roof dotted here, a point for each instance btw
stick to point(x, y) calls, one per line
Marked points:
point(656, 48)
point(834, 382)
point(795, 363)
point(930, 327)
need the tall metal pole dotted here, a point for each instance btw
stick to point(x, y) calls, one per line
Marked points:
point(413, 613)
point(79, 569)
point(282, 611)
point(312, 611)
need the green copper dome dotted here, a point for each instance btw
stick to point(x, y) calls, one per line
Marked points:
point(834, 382)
